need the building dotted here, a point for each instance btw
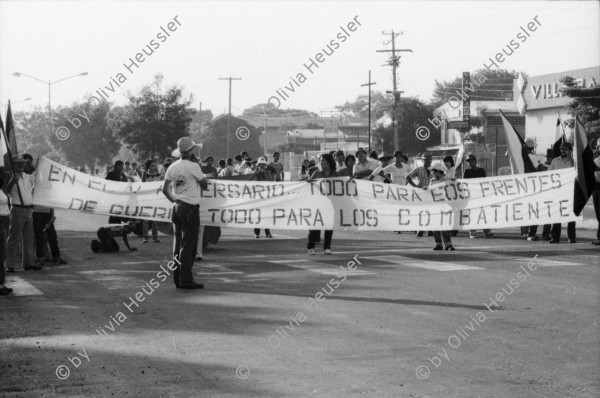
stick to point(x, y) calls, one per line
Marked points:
point(540, 99)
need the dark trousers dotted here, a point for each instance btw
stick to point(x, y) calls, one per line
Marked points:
point(186, 221)
point(596, 200)
point(4, 223)
point(257, 231)
point(555, 231)
point(109, 244)
point(531, 230)
point(39, 222)
point(442, 236)
point(314, 234)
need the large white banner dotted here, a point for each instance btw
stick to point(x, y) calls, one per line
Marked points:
point(340, 203)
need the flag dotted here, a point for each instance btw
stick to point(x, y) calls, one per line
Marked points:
point(5, 160)
point(559, 138)
point(461, 151)
point(517, 149)
point(584, 164)
point(10, 132)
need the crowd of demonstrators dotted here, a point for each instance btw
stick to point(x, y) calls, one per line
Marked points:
point(24, 229)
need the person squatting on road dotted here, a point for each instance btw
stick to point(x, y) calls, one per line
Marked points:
point(327, 171)
point(183, 181)
point(107, 234)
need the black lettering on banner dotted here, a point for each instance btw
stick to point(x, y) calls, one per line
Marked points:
point(481, 216)
point(80, 205)
point(258, 191)
point(162, 210)
point(533, 180)
point(89, 206)
point(435, 194)
point(454, 195)
point(230, 212)
point(400, 216)
point(255, 217)
point(113, 211)
point(220, 190)
point(142, 214)
point(508, 185)
point(484, 187)
point(238, 215)
point(212, 213)
point(233, 190)
point(402, 193)
point(465, 217)
point(278, 213)
point(54, 170)
point(495, 207)
point(421, 218)
point(91, 184)
point(562, 208)
point(338, 188)
point(464, 190)
point(521, 185)
point(328, 183)
point(354, 190)
point(557, 180)
point(448, 213)
point(72, 178)
point(548, 203)
point(534, 212)
point(517, 212)
point(498, 187)
point(278, 190)
point(544, 181)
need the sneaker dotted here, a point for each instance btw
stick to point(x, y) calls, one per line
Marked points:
point(145, 240)
point(596, 242)
point(269, 236)
point(438, 248)
point(572, 241)
point(256, 236)
point(5, 291)
point(327, 251)
point(312, 252)
point(450, 247)
point(34, 268)
point(156, 241)
point(532, 238)
point(491, 235)
point(191, 285)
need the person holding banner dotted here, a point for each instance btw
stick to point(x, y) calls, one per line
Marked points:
point(349, 161)
point(183, 181)
point(263, 174)
point(327, 171)
point(364, 167)
point(476, 172)
point(397, 170)
point(20, 191)
point(564, 161)
point(440, 237)
point(423, 174)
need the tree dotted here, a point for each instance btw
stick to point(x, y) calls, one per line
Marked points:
point(380, 103)
point(152, 122)
point(32, 130)
point(215, 144)
point(413, 114)
point(585, 106)
point(498, 85)
point(89, 140)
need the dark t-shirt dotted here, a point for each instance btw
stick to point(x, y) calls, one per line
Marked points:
point(114, 176)
point(477, 172)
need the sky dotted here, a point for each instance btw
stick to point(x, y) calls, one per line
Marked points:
point(268, 43)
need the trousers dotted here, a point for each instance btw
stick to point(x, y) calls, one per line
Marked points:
point(186, 221)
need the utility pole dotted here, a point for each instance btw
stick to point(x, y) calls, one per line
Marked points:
point(229, 114)
point(369, 84)
point(394, 62)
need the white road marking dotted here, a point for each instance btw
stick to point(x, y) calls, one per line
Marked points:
point(21, 287)
point(434, 265)
point(542, 262)
point(325, 269)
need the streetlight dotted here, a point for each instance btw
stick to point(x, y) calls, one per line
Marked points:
point(49, 83)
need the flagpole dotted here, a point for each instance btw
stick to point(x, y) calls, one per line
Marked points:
point(10, 160)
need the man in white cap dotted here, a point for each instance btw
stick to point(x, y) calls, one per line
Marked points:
point(183, 181)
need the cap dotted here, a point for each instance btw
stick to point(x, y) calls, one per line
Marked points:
point(438, 166)
point(426, 155)
point(471, 157)
point(261, 160)
point(185, 146)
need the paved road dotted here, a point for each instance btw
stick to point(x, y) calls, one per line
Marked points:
point(384, 316)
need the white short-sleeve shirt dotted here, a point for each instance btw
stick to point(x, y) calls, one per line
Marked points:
point(185, 176)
